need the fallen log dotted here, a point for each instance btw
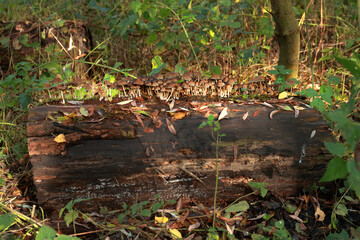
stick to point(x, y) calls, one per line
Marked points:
point(122, 153)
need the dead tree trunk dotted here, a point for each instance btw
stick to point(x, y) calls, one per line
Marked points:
point(116, 159)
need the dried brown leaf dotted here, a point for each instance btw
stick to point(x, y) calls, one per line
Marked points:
point(179, 204)
point(194, 226)
point(273, 113)
point(170, 127)
point(245, 116)
point(148, 130)
point(223, 113)
point(179, 115)
point(137, 115)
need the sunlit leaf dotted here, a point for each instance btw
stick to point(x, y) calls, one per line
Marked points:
point(60, 138)
point(283, 95)
point(84, 112)
point(124, 102)
point(194, 226)
point(161, 220)
point(319, 214)
point(223, 113)
point(175, 233)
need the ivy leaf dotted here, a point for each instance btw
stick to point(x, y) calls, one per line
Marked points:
point(337, 148)
point(336, 169)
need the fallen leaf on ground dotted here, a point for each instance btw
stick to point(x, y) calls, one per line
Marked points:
point(319, 214)
point(223, 113)
point(161, 220)
point(256, 113)
point(179, 115)
point(148, 130)
point(267, 105)
point(137, 115)
point(170, 127)
point(60, 138)
point(194, 226)
point(312, 134)
point(273, 113)
point(175, 234)
point(84, 112)
point(283, 95)
point(124, 102)
point(245, 116)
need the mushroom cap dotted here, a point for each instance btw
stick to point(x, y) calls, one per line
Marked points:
point(215, 76)
point(138, 81)
point(171, 75)
point(158, 76)
point(191, 83)
point(187, 76)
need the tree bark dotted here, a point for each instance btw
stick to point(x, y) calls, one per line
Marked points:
point(117, 159)
point(288, 35)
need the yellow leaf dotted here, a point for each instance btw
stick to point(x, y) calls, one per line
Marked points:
point(161, 220)
point(175, 234)
point(319, 214)
point(60, 138)
point(283, 95)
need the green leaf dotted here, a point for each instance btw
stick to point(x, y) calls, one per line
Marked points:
point(238, 207)
point(256, 236)
point(46, 232)
point(326, 93)
point(265, 27)
point(336, 169)
point(215, 69)
point(152, 38)
point(156, 62)
point(146, 213)
point(84, 112)
point(309, 93)
point(70, 217)
point(2, 181)
point(336, 148)
point(354, 177)
point(335, 80)
point(341, 210)
point(273, 72)
point(318, 104)
point(6, 220)
point(64, 237)
point(235, 24)
point(135, 6)
point(156, 206)
point(109, 77)
point(143, 113)
point(121, 217)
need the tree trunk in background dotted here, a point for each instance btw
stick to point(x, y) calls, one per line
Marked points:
point(358, 10)
point(287, 32)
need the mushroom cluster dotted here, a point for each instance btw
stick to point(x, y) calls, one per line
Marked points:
point(173, 85)
point(169, 86)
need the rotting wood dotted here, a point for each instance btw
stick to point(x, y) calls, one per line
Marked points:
point(113, 160)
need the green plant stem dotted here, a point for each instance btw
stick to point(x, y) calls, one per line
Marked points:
point(217, 177)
